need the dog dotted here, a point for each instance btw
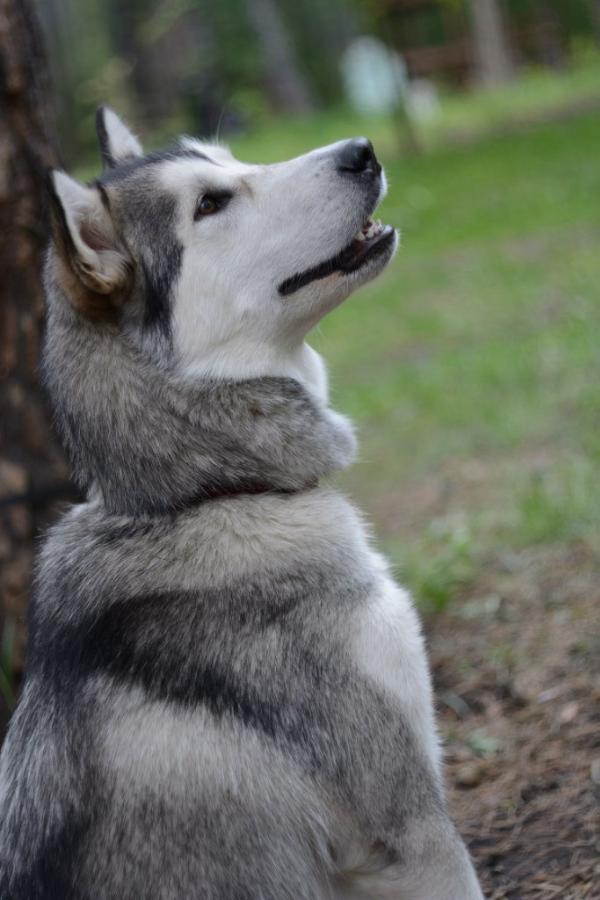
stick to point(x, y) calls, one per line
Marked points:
point(227, 696)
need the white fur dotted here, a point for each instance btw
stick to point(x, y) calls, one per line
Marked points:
point(388, 646)
point(162, 747)
point(122, 143)
point(187, 757)
point(229, 320)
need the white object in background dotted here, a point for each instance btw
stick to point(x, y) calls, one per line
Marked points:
point(374, 76)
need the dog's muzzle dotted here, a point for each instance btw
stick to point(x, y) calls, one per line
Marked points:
point(354, 159)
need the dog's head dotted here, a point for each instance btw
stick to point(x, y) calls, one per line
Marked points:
point(195, 252)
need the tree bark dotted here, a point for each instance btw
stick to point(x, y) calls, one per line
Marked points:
point(31, 463)
point(285, 84)
point(493, 58)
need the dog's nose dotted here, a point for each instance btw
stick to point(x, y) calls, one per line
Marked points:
point(357, 156)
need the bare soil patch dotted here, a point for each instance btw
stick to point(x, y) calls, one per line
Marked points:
point(517, 670)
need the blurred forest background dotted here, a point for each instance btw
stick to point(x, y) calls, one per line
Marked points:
point(198, 67)
point(471, 366)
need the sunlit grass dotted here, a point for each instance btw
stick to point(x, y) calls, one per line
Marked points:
point(538, 93)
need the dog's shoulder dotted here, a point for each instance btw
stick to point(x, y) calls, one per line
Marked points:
point(110, 584)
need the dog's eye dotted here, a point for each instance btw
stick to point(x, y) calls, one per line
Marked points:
point(206, 206)
point(209, 204)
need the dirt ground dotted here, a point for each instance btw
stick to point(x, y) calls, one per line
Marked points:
point(517, 672)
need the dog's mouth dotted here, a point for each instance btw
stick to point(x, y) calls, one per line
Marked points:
point(373, 240)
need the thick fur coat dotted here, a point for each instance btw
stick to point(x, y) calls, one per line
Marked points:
point(227, 696)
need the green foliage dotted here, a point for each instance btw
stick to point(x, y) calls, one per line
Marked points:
point(184, 64)
point(319, 32)
point(440, 565)
point(481, 743)
point(236, 54)
point(185, 61)
point(560, 505)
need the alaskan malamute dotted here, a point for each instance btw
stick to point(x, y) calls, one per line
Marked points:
point(227, 695)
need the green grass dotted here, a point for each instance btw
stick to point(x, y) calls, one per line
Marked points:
point(473, 365)
point(537, 94)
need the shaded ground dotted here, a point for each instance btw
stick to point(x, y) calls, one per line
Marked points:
point(517, 669)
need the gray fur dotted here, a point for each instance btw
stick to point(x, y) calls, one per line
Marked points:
point(153, 442)
point(194, 722)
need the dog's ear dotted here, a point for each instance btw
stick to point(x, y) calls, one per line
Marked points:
point(95, 268)
point(118, 143)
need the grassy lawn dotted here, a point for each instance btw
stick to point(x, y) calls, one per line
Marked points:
point(472, 366)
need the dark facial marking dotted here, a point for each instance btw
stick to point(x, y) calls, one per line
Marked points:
point(131, 166)
point(152, 215)
point(348, 260)
point(161, 266)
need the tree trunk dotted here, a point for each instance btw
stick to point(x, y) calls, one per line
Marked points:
point(493, 58)
point(284, 82)
point(548, 41)
point(31, 464)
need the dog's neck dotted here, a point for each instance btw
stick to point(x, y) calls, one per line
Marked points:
point(240, 359)
point(150, 441)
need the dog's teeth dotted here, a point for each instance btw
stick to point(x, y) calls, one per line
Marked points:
point(371, 228)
